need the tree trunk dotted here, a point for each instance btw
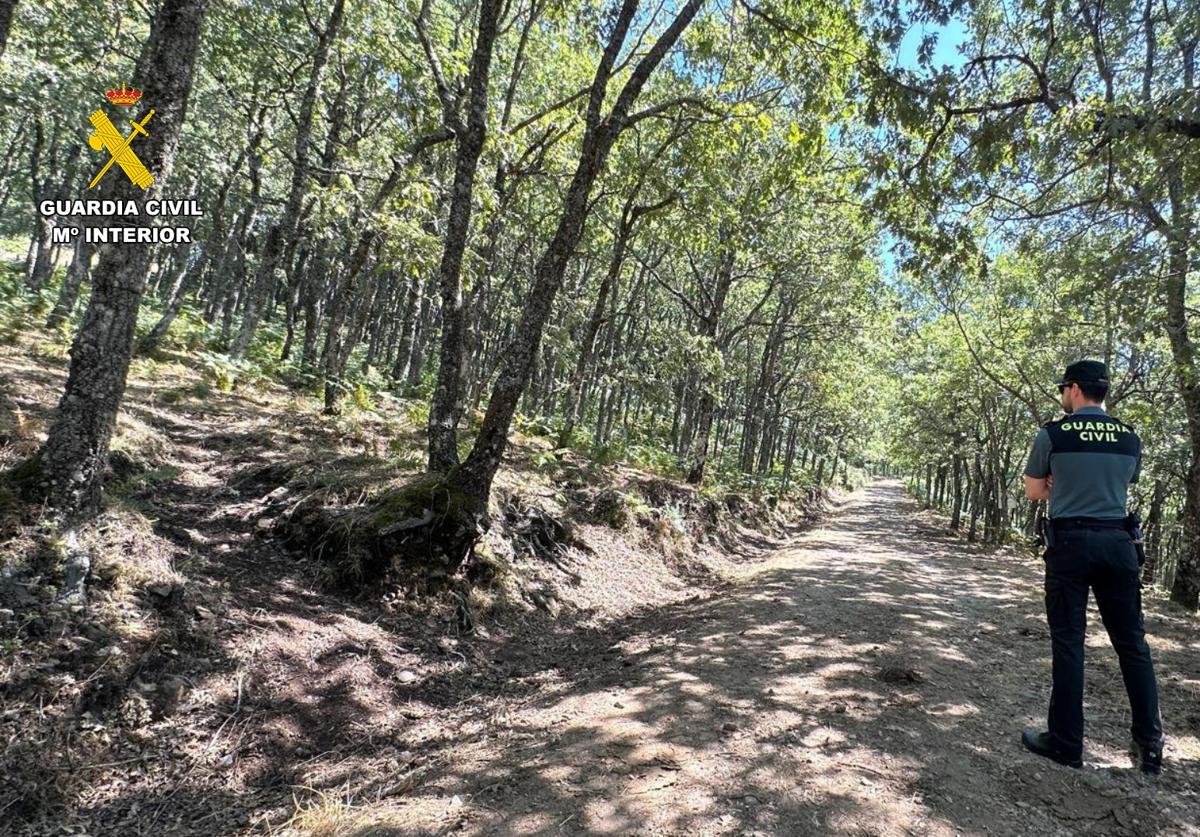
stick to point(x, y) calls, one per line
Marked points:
point(214, 243)
point(280, 236)
point(976, 495)
point(37, 266)
point(348, 291)
point(1185, 589)
point(296, 291)
point(457, 500)
point(408, 328)
point(76, 449)
point(477, 472)
point(709, 328)
point(587, 343)
point(314, 290)
point(7, 8)
point(1152, 530)
point(956, 515)
point(789, 457)
point(68, 294)
point(425, 317)
point(445, 409)
point(179, 290)
point(232, 271)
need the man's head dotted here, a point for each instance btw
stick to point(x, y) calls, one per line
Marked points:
point(1085, 383)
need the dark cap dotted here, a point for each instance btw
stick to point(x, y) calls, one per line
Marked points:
point(1085, 372)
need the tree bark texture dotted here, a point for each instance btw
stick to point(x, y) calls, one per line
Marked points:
point(76, 449)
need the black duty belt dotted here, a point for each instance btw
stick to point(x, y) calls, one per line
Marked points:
point(1062, 523)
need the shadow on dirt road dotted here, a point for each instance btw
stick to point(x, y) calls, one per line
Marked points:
point(871, 679)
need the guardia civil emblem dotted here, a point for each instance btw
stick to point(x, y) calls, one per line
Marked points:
point(106, 137)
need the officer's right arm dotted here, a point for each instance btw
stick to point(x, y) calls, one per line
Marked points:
point(1037, 470)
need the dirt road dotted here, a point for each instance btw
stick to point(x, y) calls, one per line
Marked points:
point(873, 678)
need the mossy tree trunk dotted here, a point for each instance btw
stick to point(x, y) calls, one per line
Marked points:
point(76, 448)
point(446, 406)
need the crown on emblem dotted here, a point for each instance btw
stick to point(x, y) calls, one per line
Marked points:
point(125, 96)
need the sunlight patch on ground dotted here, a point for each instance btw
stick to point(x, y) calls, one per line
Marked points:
point(951, 653)
point(840, 670)
point(954, 710)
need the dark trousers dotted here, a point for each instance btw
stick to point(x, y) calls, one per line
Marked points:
point(1105, 560)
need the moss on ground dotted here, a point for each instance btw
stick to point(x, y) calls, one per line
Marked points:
point(430, 494)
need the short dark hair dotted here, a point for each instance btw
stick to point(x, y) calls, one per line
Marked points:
point(1093, 392)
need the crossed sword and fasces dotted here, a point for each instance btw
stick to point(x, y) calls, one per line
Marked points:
point(108, 137)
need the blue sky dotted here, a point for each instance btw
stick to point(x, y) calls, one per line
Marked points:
point(949, 38)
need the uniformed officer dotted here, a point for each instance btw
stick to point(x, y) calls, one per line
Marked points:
point(1084, 462)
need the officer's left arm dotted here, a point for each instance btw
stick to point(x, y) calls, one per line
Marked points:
point(1037, 488)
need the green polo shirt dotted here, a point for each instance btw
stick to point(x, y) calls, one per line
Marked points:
point(1093, 459)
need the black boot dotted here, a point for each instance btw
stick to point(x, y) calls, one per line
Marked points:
point(1043, 745)
point(1148, 758)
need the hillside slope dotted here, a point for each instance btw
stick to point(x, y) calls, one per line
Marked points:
point(222, 661)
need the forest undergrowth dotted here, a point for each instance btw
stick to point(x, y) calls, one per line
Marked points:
point(229, 641)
